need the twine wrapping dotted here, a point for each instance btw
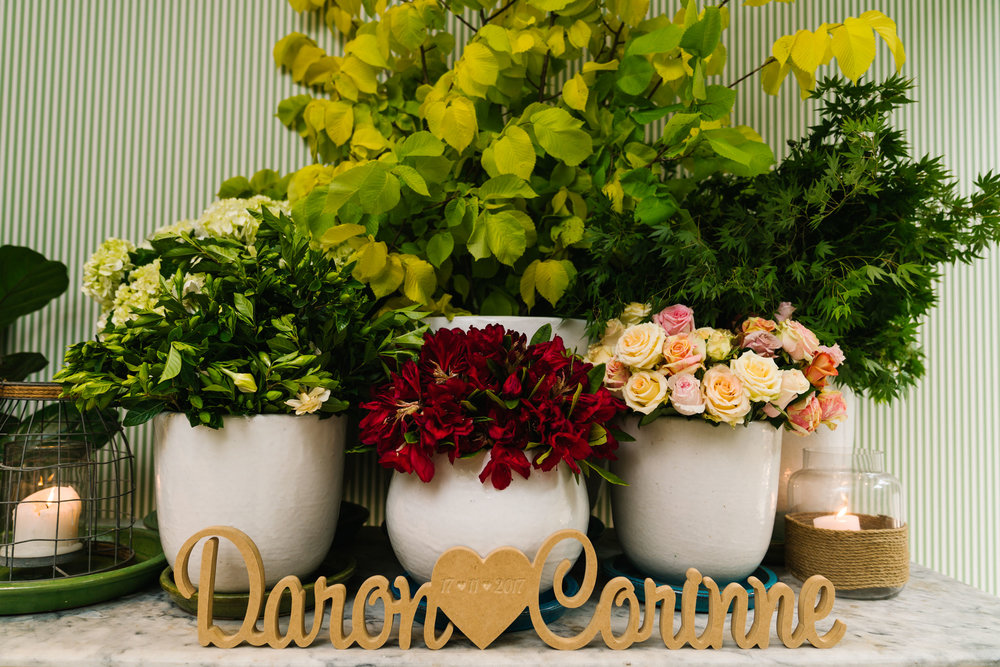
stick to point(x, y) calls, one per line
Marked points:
point(877, 556)
point(31, 390)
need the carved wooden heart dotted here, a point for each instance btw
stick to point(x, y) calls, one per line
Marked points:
point(482, 597)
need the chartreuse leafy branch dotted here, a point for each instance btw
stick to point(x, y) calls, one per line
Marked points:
point(252, 321)
point(461, 175)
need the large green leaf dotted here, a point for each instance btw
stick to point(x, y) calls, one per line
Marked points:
point(28, 282)
point(16, 367)
point(559, 134)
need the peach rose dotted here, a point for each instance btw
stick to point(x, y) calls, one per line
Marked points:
point(820, 368)
point(645, 391)
point(793, 383)
point(675, 319)
point(685, 394)
point(760, 376)
point(641, 346)
point(615, 375)
point(797, 341)
point(805, 415)
point(684, 353)
point(635, 313)
point(757, 324)
point(833, 408)
point(725, 400)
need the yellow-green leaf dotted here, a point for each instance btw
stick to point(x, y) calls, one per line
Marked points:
point(390, 279)
point(513, 153)
point(340, 233)
point(773, 75)
point(408, 26)
point(808, 48)
point(420, 281)
point(854, 47)
point(551, 280)
point(579, 34)
point(339, 121)
point(362, 74)
point(365, 48)
point(575, 92)
point(306, 56)
point(288, 47)
point(453, 121)
point(886, 28)
point(372, 259)
point(505, 236)
point(368, 137)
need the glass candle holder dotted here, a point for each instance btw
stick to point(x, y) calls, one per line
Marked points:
point(847, 522)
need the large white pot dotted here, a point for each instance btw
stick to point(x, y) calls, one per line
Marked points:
point(456, 509)
point(573, 332)
point(698, 496)
point(277, 478)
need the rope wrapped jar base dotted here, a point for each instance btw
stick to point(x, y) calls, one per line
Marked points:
point(873, 562)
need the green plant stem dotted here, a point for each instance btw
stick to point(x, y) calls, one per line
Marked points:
point(423, 63)
point(770, 59)
point(500, 11)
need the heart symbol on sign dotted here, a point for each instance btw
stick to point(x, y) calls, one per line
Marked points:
point(481, 619)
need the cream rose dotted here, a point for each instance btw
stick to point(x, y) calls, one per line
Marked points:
point(725, 399)
point(793, 383)
point(598, 353)
point(797, 341)
point(760, 376)
point(683, 353)
point(645, 391)
point(685, 394)
point(613, 330)
point(635, 313)
point(641, 346)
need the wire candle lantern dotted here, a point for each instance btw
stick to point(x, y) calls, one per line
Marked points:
point(67, 492)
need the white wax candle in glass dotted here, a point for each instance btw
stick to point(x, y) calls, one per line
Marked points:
point(44, 516)
point(839, 521)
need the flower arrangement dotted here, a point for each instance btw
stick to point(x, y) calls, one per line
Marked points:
point(771, 369)
point(531, 405)
point(231, 313)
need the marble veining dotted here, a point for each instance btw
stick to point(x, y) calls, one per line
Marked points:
point(935, 620)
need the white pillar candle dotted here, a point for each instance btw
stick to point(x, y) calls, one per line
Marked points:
point(839, 521)
point(46, 515)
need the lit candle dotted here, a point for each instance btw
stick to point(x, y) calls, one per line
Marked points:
point(839, 521)
point(46, 515)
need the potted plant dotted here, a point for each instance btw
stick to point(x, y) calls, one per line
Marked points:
point(461, 176)
point(707, 404)
point(246, 345)
point(485, 432)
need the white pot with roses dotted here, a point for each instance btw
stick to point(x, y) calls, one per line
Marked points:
point(708, 406)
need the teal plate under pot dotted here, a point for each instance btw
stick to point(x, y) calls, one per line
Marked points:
point(30, 597)
point(621, 566)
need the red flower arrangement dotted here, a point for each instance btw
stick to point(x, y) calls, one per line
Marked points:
point(530, 405)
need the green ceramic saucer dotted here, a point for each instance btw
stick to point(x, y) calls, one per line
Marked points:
point(28, 597)
point(337, 567)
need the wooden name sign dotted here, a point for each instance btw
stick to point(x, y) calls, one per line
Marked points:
point(481, 597)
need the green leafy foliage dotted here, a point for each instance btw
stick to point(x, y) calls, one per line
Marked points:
point(28, 282)
point(273, 320)
point(849, 228)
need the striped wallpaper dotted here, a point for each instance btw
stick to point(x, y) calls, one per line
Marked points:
point(118, 117)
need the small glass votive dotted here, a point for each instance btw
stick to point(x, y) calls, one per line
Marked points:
point(847, 523)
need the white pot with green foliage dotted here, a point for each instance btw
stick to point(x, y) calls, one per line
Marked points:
point(244, 343)
point(707, 406)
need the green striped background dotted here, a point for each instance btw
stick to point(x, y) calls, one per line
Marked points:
point(118, 117)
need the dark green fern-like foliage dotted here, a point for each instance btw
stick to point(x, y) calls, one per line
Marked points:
point(849, 228)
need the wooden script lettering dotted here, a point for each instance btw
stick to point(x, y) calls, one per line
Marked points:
point(481, 597)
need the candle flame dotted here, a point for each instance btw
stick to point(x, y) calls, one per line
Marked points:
point(53, 495)
point(842, 513)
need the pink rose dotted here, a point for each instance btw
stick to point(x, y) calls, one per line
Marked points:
point(836, 354)
point(675, 319)
point(684, 353)
point(616, 374)
point(785, 310)
point(833, 408)
point(685, 394)
point(805, 415)
point(764, 343)
point(797, 341)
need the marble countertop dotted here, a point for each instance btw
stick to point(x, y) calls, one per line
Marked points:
point(935, 620)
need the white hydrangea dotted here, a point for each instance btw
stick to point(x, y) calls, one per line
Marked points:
point(139, 294)
point(178, 228)
point(104, 271)
point(231, 217)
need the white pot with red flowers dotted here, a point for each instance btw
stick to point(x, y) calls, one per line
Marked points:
point(707, 408)
point(488, 435)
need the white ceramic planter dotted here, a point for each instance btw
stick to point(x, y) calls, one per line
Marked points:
point(275, 477)
point(698, 496)
point(573, 332)
point(456, 509)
